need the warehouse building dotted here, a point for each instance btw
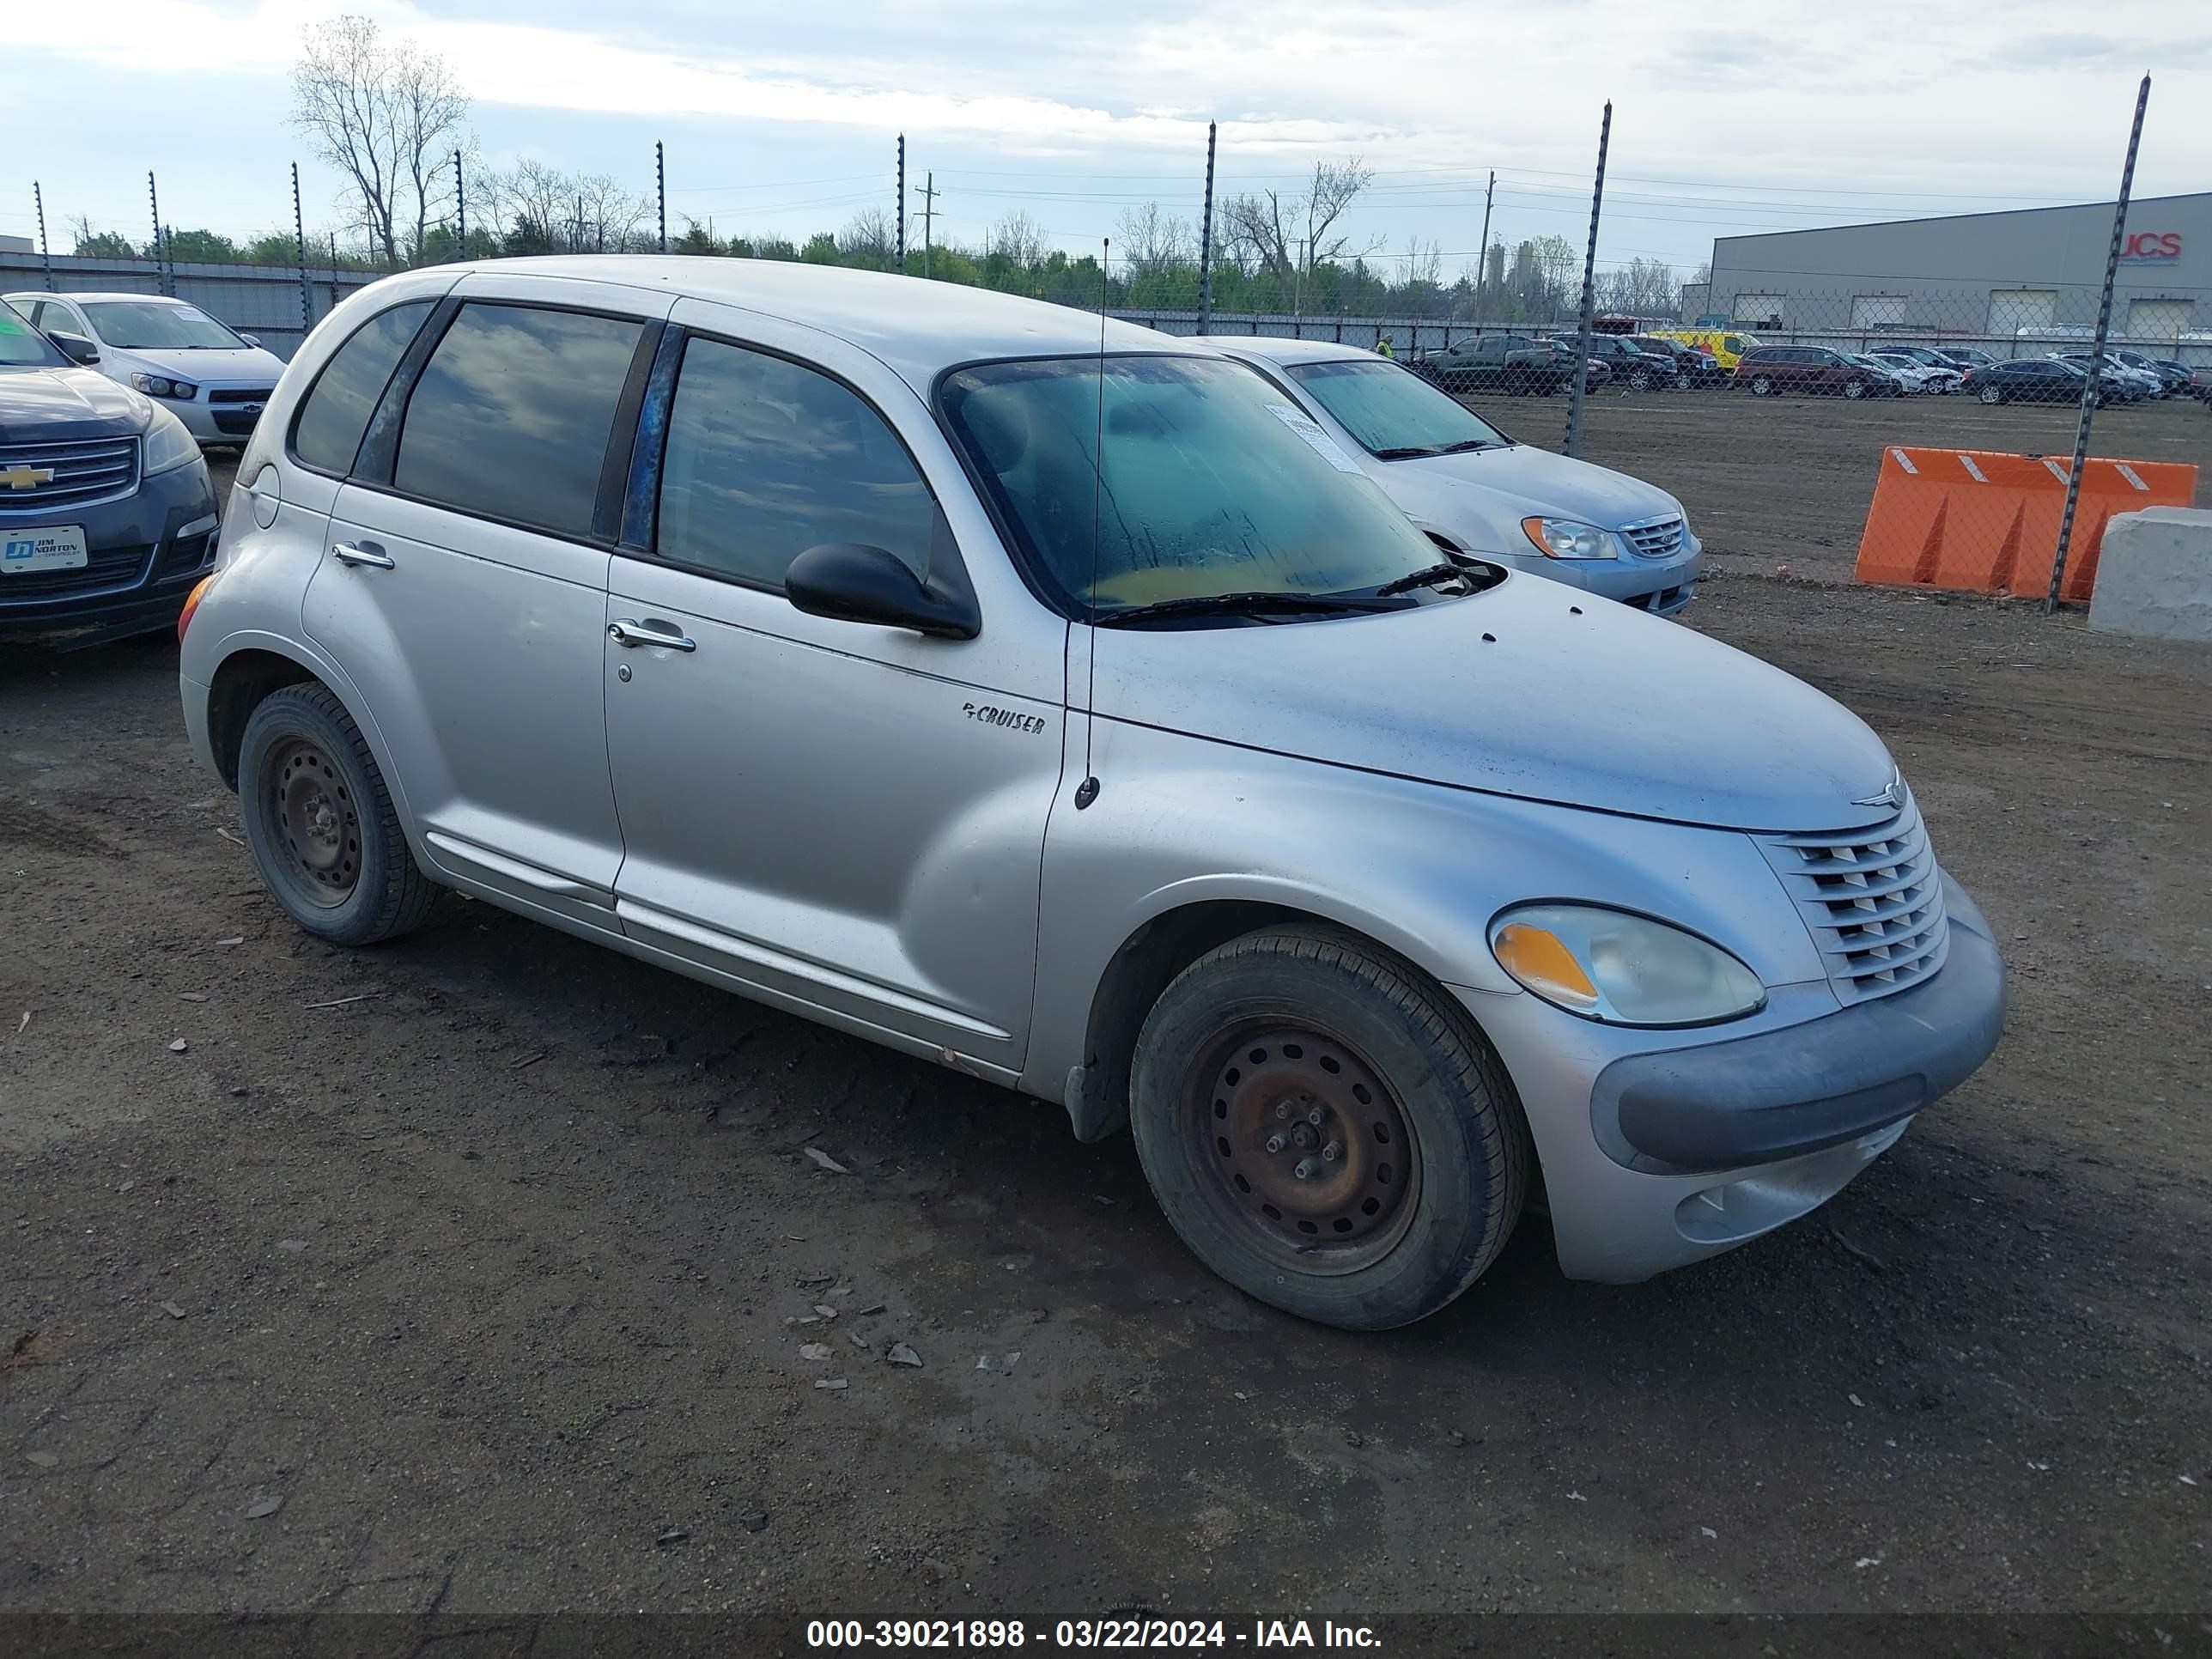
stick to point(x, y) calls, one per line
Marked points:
point(2033, 274)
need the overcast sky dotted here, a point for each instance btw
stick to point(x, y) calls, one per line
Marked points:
point(782, 117)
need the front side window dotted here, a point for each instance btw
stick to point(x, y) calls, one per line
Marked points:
point(149, 325)
point(1391, 413)
point(23, 346)
point(766, 458)
point(1175, 477)
point(336, 411)
point(511, 418)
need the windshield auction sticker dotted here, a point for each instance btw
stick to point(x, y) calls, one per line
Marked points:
point(1323, 445)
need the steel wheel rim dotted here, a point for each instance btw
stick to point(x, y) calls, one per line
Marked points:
point(312, 813)
point(1250, 1100)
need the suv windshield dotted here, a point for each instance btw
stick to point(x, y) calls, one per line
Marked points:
point(1391, 413)
point(145, 325)
point(1199, 478)
point(23, 346)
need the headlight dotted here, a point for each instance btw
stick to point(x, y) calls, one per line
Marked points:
point(159, 386)
point(168, 446)
point(1624, 970)
point(1563, 539)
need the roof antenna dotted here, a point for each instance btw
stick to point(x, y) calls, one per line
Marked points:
point(1087, 791)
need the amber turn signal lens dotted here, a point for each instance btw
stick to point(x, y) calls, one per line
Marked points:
point(1542, 963)
point(191, 604)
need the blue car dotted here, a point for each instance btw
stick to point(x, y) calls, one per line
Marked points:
point(107, 515)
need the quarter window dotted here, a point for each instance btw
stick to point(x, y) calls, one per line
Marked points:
point(511, 416)
point(329, 430)
point(766, 458)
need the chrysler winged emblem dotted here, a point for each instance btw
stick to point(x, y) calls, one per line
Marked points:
point(1892, 797)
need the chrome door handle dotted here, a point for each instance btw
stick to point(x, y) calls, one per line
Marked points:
point(629, 631)
point(368, 553)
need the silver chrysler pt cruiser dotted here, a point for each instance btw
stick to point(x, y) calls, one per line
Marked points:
point(1055, 700)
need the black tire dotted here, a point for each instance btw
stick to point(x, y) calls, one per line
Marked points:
point(320, 822)
point(1390, 1242)
point(1640, 381)
point(1855, 388)
point(1992, 394)
point(1761, 386)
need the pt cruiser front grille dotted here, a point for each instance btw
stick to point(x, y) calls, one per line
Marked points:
point(1874, 899)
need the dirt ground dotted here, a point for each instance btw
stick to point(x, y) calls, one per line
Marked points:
point(1771, 481)
point(459, 1277)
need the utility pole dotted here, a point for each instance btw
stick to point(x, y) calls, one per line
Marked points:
point(2089, 391)
point(902, 205)
point(460, 201)
point(161, 247)
point(1206, 244)
point(661, 190)
point(1482, 270)
point(928, 219)
point(46, 256)
point(579, 244)
point(300, 246)
point(1590, 288)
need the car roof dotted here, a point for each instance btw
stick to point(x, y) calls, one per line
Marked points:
point(917, 328)
point(90, 294)
point(1278, 348)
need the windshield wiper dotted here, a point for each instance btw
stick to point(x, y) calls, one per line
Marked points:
point(1465, 444)
point(1431, 576)
point(1406, 452)
point(1233, 604)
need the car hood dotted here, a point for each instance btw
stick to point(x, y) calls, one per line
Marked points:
point(56, 405)
point(1480, 498)
point(231, 365)
point(1531, 690)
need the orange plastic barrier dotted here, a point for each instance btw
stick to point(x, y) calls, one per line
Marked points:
point(1984, 522)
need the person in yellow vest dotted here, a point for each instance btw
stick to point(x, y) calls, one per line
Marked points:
point(1383, 348)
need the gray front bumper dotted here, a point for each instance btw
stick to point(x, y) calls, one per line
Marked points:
point(1785, 1093)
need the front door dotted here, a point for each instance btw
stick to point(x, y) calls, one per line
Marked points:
point(844, 819)
point(465, 597)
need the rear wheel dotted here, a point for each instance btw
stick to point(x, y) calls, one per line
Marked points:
point(1325, 1132)
point(320, 824)
point(1640, 380)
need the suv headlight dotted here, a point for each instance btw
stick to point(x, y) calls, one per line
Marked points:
point(1564, 538)
point(168, 446)
point(1621, 968)
point(161, 385)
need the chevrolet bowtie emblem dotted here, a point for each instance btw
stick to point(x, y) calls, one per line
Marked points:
point(26, 477)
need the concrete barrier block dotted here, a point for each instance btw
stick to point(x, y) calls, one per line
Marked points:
point(2155, 578)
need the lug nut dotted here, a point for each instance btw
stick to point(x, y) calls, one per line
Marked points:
point(1304, 1169)
point(1314, 1117)
point(1283, 1111)
point(1333, 1151)
point(1275, 1143)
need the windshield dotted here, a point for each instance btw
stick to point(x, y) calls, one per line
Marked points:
point(1207, 482)
point(23, 346)
point(1386, 409)
point(146, 325)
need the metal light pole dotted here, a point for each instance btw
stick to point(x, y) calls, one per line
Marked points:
point(300, 245)
point(1589, 282)
point(1206, 243)
point(2096, 356)
point(162, 276)
point(45, 255)
point(661, 190)
point(461, 204)
point(902, 204)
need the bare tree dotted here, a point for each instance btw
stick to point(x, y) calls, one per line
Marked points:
point(1153, 242)
point(869, 234)
point(545, 210)
point(1285, 234)
point(385, 114)
point(1642, 287)
point(1021, 239)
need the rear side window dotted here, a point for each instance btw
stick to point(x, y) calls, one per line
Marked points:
point(511, 418)
point(328, 433)
point(766, 458)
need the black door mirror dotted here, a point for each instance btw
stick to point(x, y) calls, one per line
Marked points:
point(852, 581)
point(74, 347)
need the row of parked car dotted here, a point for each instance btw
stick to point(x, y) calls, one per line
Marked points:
point(720, 613)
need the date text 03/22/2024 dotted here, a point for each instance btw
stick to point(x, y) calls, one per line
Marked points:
point(1129, 1632)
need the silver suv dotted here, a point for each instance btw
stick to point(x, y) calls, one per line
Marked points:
point(1067, 707)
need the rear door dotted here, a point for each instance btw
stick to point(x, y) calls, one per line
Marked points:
point(464, 588)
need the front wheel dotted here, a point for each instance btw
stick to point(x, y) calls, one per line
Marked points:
point(1326, 1133)
point(1761, 386)
point(1990, 394)
point(1854, 389)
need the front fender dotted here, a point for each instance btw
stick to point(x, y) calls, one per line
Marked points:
point(1419, 868)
